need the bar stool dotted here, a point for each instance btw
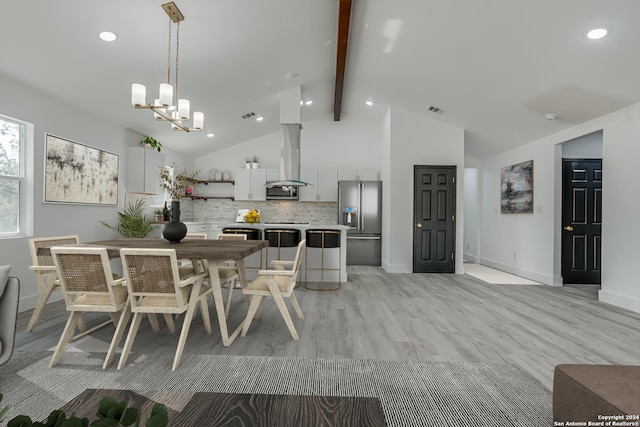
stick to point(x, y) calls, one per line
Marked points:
point(323, 239)
point(280, 238)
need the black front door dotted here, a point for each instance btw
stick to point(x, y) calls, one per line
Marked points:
point(581, 220)
point(434, 219)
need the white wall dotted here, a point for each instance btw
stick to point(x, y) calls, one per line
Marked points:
point(324, 143)
point(385, 176)
point(535, 238)
point(471, 212)
point(620, 206)
point(584, 147)
point(418, 140)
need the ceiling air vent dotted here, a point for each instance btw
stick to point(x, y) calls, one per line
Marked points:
point(248, 115)
point(435, 109)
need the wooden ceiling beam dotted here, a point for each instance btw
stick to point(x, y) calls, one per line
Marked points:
point(344, 18)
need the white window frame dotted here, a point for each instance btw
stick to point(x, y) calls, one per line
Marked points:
point(25, 179)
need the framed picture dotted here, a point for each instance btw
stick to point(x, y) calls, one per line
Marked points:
point(78, 174)
point(516, 188)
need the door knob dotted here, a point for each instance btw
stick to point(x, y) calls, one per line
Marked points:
point(568, 228)
point(419, 225)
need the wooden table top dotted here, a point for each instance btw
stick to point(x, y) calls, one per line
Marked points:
point(216, 409)
point(216, 250)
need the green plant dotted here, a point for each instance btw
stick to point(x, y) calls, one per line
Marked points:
point(131, 221)
point(248, 159)
point(152, 142)
point(112, 412)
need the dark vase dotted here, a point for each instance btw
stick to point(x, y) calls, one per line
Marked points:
point(174, 230)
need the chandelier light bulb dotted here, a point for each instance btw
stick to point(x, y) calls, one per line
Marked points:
point(184, 109)
point(138, 94)
point(198, 120)
point(166, 94)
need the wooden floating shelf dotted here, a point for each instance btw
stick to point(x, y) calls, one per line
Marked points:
point(211, 181)
point(210, 197)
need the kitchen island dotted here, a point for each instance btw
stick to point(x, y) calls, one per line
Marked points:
point(333, 257)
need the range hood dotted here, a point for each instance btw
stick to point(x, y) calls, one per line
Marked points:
point(290, 148)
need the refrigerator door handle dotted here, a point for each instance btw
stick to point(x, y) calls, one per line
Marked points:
point(361, 188)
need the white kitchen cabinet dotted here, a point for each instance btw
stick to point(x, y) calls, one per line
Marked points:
point(143, 170)
point(325, 185)
point(250, 184)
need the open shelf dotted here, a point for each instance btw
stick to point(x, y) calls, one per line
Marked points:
point(210, 197)
point(211, 181)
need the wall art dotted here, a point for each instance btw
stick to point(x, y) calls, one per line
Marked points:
point(79, 174)
point(516, 191)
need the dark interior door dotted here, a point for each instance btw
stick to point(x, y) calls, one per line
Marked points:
point(581, 220)
point(434, 219)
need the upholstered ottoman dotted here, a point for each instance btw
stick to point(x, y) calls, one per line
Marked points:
point(591, 392)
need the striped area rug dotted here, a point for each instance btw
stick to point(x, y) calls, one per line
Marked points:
point(412, 393)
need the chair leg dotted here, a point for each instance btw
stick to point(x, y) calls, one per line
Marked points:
point(277, 297)
point(256, 301)
point(232, 284)
point(204, 308)
point(296, 306)
point(131, 336)
point(183, 335)
point(169, 321)
point(115, 318)
point(66, 336)
point(44, 297)
point(117, 335)
point(153, 319)
point(264, 299)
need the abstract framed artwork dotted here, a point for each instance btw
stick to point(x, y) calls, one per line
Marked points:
point(516, 188)
point(78, 174)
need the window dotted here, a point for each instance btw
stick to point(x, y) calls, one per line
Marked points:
point(16, 190)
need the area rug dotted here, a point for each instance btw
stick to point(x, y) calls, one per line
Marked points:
point(495, 277)
point(412, 393)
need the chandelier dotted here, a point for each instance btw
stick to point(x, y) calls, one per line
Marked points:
point(163, 107)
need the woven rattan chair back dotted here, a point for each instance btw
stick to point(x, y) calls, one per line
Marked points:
point(47, 242)
point(85, 272)
point(231, 236)
point(152, 272)
point(195, 236)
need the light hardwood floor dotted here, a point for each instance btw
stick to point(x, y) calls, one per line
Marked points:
point(439, 317)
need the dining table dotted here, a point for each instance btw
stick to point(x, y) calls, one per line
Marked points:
point(213, 251)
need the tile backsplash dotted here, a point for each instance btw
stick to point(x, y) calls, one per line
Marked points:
point(220, 210)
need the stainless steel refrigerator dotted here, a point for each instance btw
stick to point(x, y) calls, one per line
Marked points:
point(360, 207)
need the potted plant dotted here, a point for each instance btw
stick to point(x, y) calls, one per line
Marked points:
point(254, 162)
point(151, 142)
point(131, 221)
point(247, 162)
point(111, 412)
point(159, 214)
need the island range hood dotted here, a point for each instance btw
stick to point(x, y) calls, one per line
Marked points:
point(290, 147)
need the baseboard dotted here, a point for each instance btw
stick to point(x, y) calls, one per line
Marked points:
point(527, 274)
point(622, 301)
point(470, 257)
point(29, 302)
point(396, 269)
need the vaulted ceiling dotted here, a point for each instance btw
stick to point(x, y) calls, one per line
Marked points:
point(494, 68)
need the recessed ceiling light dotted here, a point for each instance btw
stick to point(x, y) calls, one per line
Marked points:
point(259, 118)
point(107, 36)
point(309, 102)
point(550, 116)
point(597, 33)
point(211, 135)
point(369, 103)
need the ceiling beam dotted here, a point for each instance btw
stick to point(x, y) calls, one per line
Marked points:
point(344, 17)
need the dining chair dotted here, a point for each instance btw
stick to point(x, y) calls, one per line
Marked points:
point(186, 266)
point(279, 284)
point(45, 271)
point(88, 285)
point(155, 286)
point(228, 273)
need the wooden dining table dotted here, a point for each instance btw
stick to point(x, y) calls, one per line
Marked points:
point(214, 251)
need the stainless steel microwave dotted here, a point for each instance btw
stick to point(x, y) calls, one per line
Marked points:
point(282, 193)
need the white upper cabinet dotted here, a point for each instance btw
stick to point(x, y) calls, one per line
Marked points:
point(250, 184)
point(323, 188)
point(143, 170)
